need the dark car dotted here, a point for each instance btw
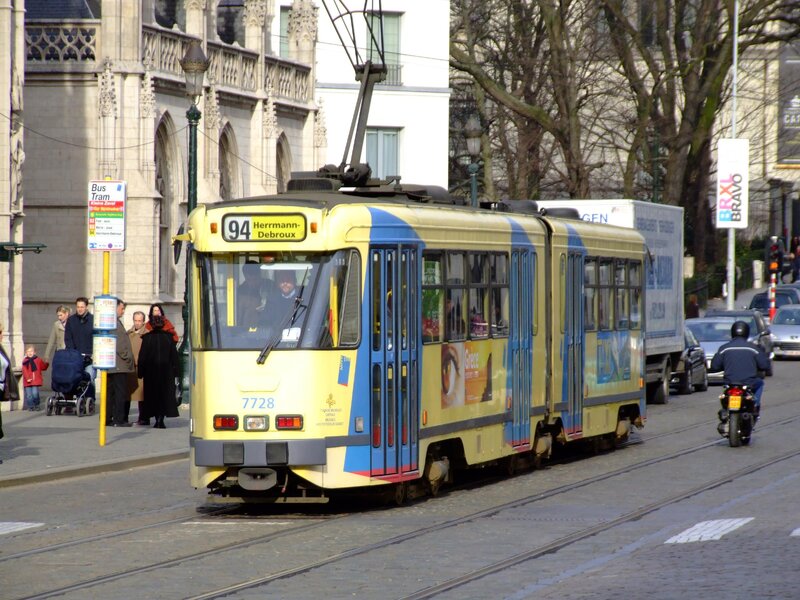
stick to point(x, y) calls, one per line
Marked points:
point(761, 300)
point(690, 373)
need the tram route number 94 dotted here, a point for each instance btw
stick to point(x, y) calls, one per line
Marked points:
point(257, 403)
point(266, 227)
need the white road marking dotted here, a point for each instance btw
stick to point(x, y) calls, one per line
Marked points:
point(12, 526)
point(796, 533)
point(708, 530)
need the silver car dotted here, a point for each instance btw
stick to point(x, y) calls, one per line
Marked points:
point(785, 331)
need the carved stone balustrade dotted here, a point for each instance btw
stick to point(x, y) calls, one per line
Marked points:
point(62, 45)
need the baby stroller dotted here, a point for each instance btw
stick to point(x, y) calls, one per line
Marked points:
point(71, 385)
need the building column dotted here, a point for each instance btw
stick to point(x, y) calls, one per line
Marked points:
point(255, 18)
point(302, 35)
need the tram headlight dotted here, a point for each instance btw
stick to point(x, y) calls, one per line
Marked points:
point(256, 423)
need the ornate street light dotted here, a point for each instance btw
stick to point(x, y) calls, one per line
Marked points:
point(473, 133)
point(194, 64)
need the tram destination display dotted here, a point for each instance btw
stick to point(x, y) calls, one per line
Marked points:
point(264, 228)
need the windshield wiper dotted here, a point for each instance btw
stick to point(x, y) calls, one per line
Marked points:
point(289, 319)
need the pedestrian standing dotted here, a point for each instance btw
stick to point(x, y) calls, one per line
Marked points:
point(9, 391)
point(692, 307)
point(78, 335)
point(33, 368)
point(56, 339)
point(158, 367)
point(120, 395)
point(158, 310)
point(135, 384)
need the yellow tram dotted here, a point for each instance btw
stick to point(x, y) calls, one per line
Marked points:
point(356, 337)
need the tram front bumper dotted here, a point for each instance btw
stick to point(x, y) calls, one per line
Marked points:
point(258, 453)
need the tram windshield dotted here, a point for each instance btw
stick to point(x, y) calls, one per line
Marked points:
point(290, 299)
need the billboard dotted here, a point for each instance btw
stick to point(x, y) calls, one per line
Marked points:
point(733, 180)
point(789, 105)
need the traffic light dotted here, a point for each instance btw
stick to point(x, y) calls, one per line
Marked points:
point(775, 259)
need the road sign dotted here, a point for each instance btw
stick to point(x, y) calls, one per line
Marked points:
point(107, 215)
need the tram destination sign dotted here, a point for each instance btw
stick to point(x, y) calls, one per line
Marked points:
point(106, 203)
point(266, 227)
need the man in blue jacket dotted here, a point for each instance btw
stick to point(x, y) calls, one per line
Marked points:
point(743, 362)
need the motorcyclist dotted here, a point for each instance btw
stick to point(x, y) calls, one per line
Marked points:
point(743, 362)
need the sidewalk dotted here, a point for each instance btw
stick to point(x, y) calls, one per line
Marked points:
point(741, 301)
point(40, 448)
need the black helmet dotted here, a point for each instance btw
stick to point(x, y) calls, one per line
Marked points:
point(740, 329)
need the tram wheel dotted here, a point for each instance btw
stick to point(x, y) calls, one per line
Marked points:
point(400, 493)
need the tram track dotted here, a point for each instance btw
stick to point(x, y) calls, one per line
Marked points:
point(411, 535)
point(492, 511)
point(589, 532)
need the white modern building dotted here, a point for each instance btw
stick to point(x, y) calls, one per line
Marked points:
point(407, 129)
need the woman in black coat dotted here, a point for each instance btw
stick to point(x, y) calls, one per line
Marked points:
point(158, 368)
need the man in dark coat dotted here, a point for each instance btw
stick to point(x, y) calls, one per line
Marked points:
point(158, 368)
point(78, 328)
point(79, 335)
point(119, 392)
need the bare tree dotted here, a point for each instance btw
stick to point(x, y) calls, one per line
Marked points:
point(676, 56)
point(530, 59)
point(621, 89)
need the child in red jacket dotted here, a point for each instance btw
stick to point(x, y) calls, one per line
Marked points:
point(32, 368)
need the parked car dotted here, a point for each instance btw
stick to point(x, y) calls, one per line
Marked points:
point(761, 300)
point(691, 372)
point(785, 330)
point(792, 288)
point(714, 329)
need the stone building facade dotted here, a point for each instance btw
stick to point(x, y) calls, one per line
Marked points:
point(12, 190)
point(105, 97)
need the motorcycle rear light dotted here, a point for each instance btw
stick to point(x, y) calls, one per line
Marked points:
point(289, 422)
point(226, 422)
point(735, 392)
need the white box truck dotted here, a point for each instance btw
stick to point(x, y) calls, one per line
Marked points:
point(661, 225)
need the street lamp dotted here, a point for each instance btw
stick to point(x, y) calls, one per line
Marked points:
point(194, 64)
point(473, 133)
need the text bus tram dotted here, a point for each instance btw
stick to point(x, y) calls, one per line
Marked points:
point(342, 341)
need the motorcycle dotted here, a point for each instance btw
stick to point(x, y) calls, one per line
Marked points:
point(738, 414)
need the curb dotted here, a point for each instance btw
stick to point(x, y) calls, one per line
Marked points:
point(91, 469)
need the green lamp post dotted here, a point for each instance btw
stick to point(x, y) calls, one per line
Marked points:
point(473, 133)
point(194, 64)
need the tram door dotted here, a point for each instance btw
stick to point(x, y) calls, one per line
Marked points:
point(520, 342)
point(394, 365)
point(573, 332)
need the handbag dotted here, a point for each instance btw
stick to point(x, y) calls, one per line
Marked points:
point(11, 389)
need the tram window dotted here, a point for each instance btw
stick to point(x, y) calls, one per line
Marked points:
point(455, 315)
point(478, 300)
point(377, 301)
point(377, 415)
point(499, 269)
point(500, 312)
point(604, 300)
point(499, 295)
point(534, 295)
point(635, 292)
point(432, 298)
point(241, 308)
point(621, 292)
point(590, 294)
point(562, 292)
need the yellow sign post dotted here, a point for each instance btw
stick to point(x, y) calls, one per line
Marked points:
point(103, 373)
